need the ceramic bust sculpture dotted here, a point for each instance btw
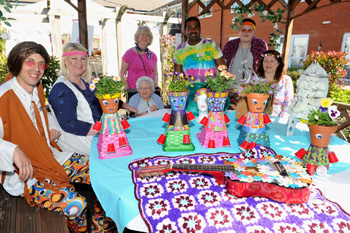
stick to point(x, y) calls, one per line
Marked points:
point(202, 103)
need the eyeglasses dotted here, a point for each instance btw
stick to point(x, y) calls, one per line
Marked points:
point(249, 30)
point(31, 63)
point(144, 88)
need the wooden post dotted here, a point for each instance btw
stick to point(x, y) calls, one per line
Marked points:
point(288, 33)
point(184, 16)
point(83, 30)
point(56, 35)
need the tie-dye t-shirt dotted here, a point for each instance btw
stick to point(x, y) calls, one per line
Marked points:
point(197, 59)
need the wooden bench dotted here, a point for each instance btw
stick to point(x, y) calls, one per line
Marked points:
point(16, 216)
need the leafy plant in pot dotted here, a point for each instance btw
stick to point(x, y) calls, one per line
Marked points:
point(322, 125)
point(257, 91)
point(214, 131)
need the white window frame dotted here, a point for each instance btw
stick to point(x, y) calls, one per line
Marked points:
point(280, 47)
point(345, 37)
point(234, 5)
point(206, 15)
point(292, 44)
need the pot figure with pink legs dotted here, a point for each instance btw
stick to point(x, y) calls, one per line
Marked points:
point(112, 141)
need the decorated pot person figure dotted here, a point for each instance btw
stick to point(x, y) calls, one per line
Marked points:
point(202, 103)
point(112, 141)
point(177, 135)
point(214, 131)
point(253, 131)
point(321, 124)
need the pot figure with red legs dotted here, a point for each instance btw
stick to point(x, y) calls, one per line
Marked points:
point(214, 131)
point(254, 131)
point(177, 136)
point(317, 158)
point(112, 141)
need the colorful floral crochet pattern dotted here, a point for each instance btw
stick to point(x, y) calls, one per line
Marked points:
point(192, 202)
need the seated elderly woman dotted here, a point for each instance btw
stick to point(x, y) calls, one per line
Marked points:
point(145, 100)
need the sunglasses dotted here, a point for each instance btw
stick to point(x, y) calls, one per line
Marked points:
point(31, 63)
point(249, 30)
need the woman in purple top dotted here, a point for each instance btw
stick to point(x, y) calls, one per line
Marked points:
point(139, 61)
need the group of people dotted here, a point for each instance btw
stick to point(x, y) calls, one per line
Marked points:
point(243, 56)
point(43, 154)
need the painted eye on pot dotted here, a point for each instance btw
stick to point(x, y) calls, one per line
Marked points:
point(116, 100)
point(265, 102)
point(182, 100)
point(331, 136)
point(212, 101)
point(174, 101)
point(105, 102)
point(319, 136)
point(255, 102)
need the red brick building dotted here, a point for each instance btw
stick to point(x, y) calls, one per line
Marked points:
point(328, 26)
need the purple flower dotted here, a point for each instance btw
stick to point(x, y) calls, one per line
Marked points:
point(323, 109)
point(270, 92)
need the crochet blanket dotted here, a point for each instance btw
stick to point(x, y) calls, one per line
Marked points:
point(192, 202)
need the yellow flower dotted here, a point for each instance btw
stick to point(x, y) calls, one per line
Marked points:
point(116, 78)
point(326, 102)
point(304, 121)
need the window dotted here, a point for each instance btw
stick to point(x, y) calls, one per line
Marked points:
point(234, 5)
point(346, 48)
point(208, 14)
point(298, 50)
point(280, 46)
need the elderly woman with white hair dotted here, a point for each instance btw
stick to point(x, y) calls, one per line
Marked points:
point(139, 60)
point(74, 104)
point(145, 101)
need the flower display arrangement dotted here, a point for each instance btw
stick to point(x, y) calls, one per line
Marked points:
point(257, 85)
point(324, 115)
point(107, 85)
point(222, 82)
point(179, 82)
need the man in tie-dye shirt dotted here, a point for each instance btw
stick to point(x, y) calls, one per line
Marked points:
point(197, 56)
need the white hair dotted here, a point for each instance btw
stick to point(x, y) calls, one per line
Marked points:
point(145, 79)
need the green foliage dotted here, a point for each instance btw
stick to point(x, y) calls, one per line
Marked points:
point(3, 71)
point(258, 85)
point(333, 63)
point(51, 75)
point(275, 17)
point(316, 117)
point(178, 82)
point(340, 95)
point(294, 74)
point(222, 82)
point(167, 43)
point(7, 7)
point(107, 85)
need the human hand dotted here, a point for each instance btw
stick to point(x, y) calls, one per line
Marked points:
point(23, 164)
point(92, 132)
point(132, 109)
point(54, 135)
point(153, 108)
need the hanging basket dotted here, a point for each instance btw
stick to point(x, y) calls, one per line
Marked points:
point(257, 102)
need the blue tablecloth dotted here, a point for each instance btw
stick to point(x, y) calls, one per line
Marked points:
point(111, 178)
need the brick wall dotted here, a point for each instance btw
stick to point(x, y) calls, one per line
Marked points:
point(331, 35)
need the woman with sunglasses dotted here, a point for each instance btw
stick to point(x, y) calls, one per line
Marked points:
point(271, 68)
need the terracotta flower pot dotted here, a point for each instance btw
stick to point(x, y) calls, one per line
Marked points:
point(109, 104)
point(320, 136)
point(257, 102)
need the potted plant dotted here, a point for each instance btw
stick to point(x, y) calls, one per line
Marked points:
point(322, 125)
point(177, 135)
point(258, 89)
point(214, 131)
point(253, 131)
point(112, 141)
